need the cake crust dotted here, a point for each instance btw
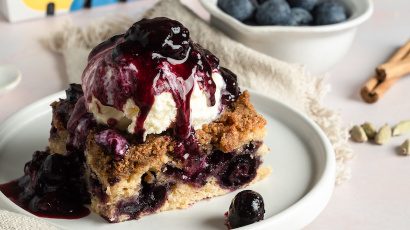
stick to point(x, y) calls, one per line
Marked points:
point(235, 127)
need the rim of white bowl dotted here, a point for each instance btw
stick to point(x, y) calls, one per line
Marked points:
point(356, 18)
point(12, 84)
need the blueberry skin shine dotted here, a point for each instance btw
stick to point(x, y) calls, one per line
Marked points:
point(330, 12)
point(246, 208)
point(305, 4)
point(273, 12)
point(239, 9)
point(301, 17)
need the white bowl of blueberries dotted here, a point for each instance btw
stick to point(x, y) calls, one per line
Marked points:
point(315, 33)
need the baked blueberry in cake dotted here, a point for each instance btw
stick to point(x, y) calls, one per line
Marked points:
point(158, 124)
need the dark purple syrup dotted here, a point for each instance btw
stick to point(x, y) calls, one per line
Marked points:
point(152, 57)
point(52, 186)
point(63, 110)
point(232, 90)
point(151, 197)
point(114, 142)
point(232, 170)
point(78, 127)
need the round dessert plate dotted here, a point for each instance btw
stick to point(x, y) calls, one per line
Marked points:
point(10, 77)
point(300, 186)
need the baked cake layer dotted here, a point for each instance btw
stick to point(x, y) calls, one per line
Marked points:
point(118, 186)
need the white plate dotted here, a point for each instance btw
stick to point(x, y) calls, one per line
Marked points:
point(10, 77)
point(296, 192)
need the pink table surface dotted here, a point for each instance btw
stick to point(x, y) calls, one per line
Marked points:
point(377, 196)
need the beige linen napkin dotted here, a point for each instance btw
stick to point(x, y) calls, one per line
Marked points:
point(285, 82)
point(14, 221)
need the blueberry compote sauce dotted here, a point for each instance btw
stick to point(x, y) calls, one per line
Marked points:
point(156, 56)
point(232, 170)
point(113, 142)
point(53, 184)
point(152, 196)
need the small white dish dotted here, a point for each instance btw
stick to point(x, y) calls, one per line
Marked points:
point(317, 47)
point(298, 189)
point(10, 77)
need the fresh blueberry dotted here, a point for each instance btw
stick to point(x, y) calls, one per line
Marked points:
point(301, 16)
point(305, 4)
point(240, 170)
point(246, 208)
point(239, 9)
point(330, 12)
point(74, 92)
point(273, 12)
point(55, 167)
point(232, 88)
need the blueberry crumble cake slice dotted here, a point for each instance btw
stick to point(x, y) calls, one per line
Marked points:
point(158, 124)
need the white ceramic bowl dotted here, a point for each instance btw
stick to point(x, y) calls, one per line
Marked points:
point(317, 47)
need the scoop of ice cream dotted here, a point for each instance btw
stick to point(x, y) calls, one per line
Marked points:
point(153, 78)
point(163, 111)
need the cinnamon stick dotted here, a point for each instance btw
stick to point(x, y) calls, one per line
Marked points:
point(375, 89)
point(401, 53)
point(393, 69)
point(387, 74)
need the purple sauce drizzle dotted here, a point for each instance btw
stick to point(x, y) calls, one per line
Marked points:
point(114, 142)
point(152, 57)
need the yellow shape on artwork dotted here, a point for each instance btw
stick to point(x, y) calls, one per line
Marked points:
point(42, 4)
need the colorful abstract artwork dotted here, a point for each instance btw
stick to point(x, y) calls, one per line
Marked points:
point(17, 10)
point(50, 6)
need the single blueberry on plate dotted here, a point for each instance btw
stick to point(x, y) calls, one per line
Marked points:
point(273, 12)
point(305, 4)
point(301, 16)
point(330, 12)
point(246, 208)
point(239, 9)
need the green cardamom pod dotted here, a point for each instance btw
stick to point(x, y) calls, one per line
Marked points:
point(370, 130)
point(357, 134)
point(405, 148)
point(401, 128)
point(384, 135)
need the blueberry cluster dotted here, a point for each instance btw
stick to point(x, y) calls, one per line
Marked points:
point(52, 184)
point(285, 12)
